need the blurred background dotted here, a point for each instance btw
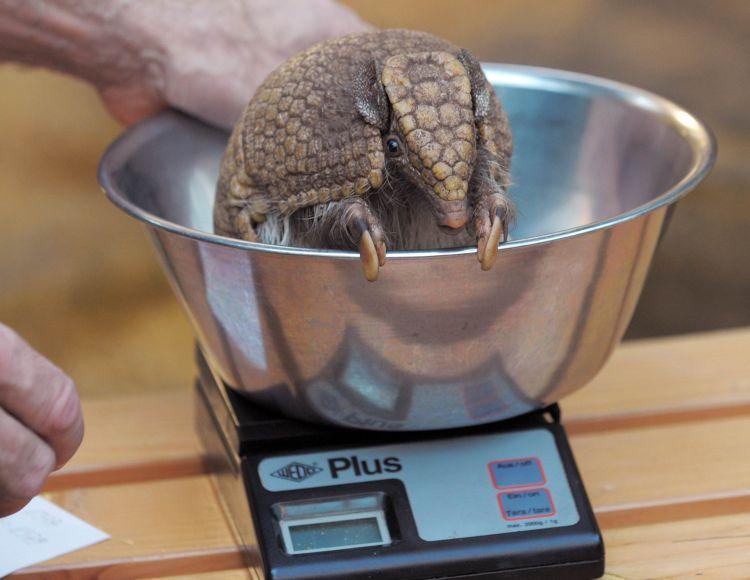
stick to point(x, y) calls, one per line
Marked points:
point(79, 280)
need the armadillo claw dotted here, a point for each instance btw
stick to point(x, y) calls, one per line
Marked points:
point(490, 250)
point(370, 257)
point(380, 247)
point(481, 245)
point(487, 246)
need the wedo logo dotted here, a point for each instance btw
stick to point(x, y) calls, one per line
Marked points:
point(296, 471)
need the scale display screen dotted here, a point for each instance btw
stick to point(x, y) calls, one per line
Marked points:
point(355, 521)
point(332, 535)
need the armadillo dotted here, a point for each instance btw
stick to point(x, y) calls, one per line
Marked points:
point(389, 139)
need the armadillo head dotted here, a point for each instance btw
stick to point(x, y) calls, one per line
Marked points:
point(432, 134)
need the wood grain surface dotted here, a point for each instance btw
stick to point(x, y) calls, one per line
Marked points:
point(672, 495)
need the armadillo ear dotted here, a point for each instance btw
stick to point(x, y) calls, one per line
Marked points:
point(479, 88)
point(369, 95)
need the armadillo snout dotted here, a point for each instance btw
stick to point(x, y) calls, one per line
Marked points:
point(451, 214)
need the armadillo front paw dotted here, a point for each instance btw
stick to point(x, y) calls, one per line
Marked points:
point(371, 248)
point(243, 226)
point(490, 223)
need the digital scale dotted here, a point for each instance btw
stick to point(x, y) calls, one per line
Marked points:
point(310, 502)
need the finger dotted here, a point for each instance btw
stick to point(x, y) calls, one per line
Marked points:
point(10, 506)
point(39, 395)
point(369, 257)
point(25, 462)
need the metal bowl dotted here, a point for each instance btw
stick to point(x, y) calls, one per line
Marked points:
point(435, 342)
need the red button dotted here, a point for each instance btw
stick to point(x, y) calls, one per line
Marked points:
point(518, 472)
point(526, 504)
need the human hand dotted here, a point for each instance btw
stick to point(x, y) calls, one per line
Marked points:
point(41, 424)
point(207, 58)
point(203, 57)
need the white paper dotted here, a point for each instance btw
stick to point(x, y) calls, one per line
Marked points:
point(41, 531)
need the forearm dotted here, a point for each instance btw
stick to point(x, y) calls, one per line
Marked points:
point(90, 40)
point(206, 57)
point(99, 42)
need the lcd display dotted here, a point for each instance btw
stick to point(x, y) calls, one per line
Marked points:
point(331, 535)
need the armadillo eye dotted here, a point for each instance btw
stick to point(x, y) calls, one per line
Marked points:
point(393, 146)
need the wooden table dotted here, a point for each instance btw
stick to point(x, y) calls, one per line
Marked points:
point(661, 438)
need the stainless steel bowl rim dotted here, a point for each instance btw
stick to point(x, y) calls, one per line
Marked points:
point(692, 129)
